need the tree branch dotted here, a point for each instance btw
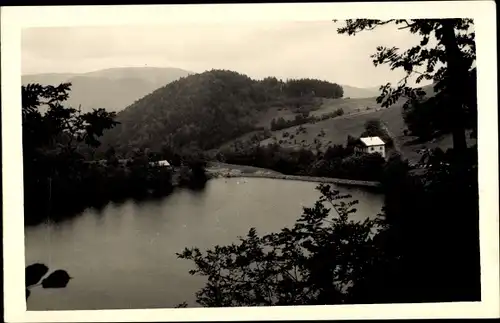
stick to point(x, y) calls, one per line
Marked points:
point(408, 25)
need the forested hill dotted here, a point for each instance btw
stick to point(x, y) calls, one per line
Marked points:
point(204, 110)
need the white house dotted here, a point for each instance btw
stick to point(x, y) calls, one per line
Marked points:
point(371, 145)
point(161, 163)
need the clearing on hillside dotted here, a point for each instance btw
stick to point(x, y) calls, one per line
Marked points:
point(334, 131)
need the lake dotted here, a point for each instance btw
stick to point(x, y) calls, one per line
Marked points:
point(124, 255)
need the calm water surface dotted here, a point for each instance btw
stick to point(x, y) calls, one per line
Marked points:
point(124, 256)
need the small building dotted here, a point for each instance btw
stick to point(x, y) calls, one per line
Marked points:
point(161, 163)
point(371, 145)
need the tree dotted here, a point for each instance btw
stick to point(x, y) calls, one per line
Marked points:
point(423, 249)
point(443, 201)
point(449, 62)
point(59, 126)
point(315, 262)
point(53, 136)
point(111, 157)
point(351, 141)
point(373, 125)
point(375, 128)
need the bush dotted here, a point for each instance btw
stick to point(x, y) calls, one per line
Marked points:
point(374, 127)
point(311, 263)
point(339, 112)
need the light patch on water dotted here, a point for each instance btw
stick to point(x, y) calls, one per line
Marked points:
point(124, 256)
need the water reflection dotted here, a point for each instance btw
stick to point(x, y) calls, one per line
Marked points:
point(123, 256)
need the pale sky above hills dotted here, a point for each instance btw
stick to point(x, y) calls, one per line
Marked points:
point(284, 50)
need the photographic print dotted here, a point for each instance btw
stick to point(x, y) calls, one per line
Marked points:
point(251, 163)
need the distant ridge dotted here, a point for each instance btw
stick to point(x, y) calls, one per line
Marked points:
point(112, 89)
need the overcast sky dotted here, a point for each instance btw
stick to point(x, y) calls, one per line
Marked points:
point(284, 50)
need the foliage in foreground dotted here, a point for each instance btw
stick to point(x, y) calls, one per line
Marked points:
point(315, 262)
point(61, 177)
point(423, 248)
point(35, 272)
point(445, 55)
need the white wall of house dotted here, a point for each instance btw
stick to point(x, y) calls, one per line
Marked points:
point(372, 149)
point(376, 149)
point(160, 163)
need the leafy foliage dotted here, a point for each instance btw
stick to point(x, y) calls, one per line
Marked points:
point(446, 56)
point(53, 137)
point(59, 127)
point(336, 162)
point(395, 257)
point(290, 267)
point(57, 279)
point(60, 181)
point(340, 162)
point(35, 272)
point(429, 117)
point(444, 262)
point(425, 247)
point(375, 128)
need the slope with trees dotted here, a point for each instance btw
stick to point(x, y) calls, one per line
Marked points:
point(425, 245)
point(205, 110)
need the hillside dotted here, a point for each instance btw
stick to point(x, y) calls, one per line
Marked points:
point(219, 108)
point(112, 89)
point(204, 110)
point(334, 131)
point(358, 93)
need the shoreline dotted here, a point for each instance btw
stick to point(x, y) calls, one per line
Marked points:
point(234, 171)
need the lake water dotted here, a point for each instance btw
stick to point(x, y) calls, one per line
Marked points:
point(124, 256)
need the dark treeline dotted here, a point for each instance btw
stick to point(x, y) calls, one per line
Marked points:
point(429, 117)
point(318, 88)
point(203, 111)
point(337, 161)
point(298, 88)
point(433, 226)
point(61, 176)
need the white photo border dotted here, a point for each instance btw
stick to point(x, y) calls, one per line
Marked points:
point(14, 19)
